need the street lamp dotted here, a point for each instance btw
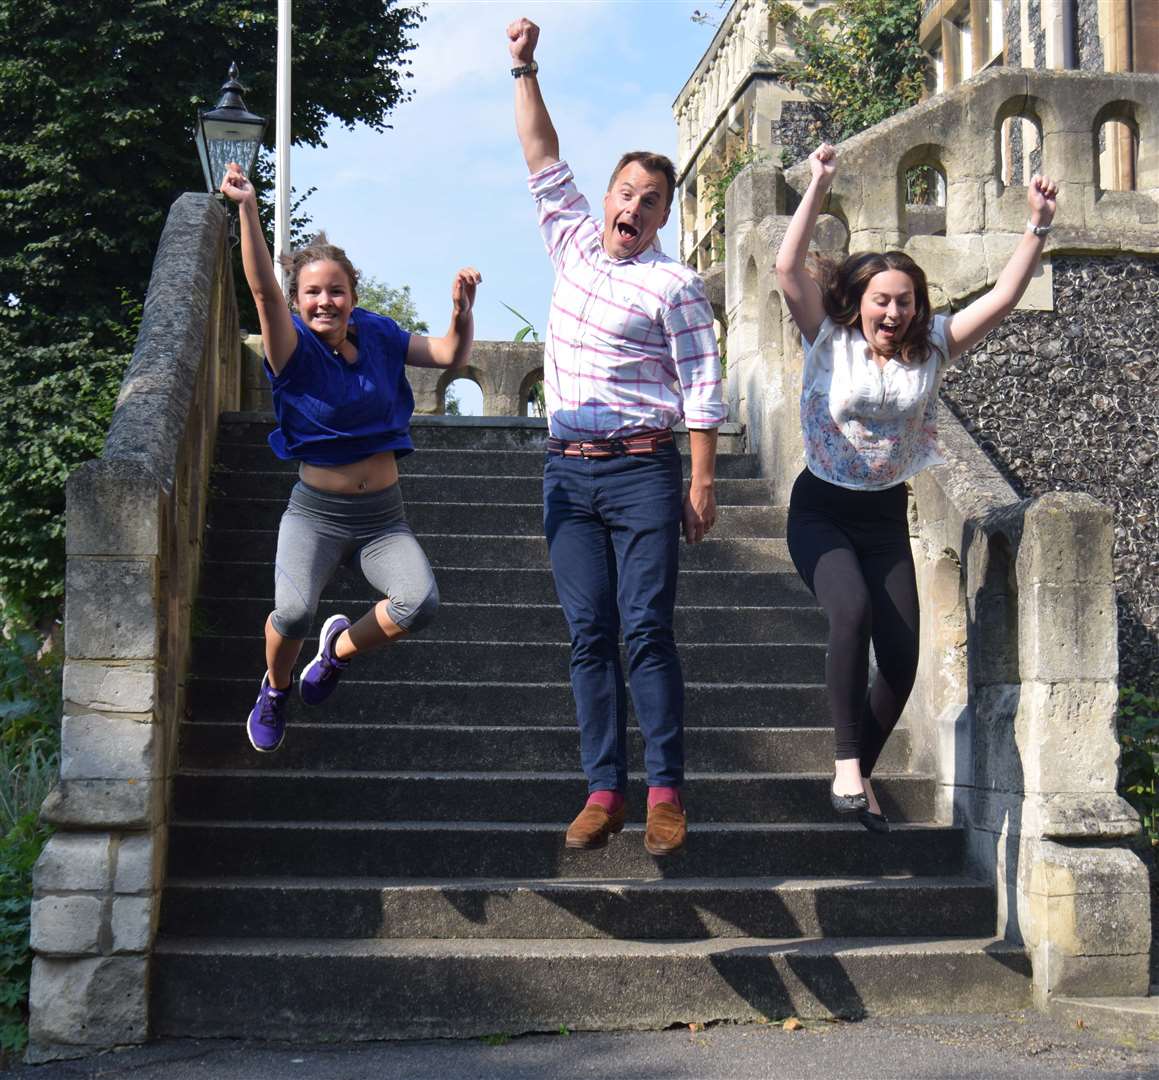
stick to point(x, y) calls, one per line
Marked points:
point(228, 133)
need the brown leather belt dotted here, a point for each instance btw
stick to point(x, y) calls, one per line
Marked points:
point(644, 442)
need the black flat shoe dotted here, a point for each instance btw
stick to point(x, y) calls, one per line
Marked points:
point(877, 823)
point(849, 804)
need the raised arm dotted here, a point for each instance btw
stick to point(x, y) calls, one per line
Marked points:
point(532, 123)
point(279, 338)
point(801, 292)
point(973, 323)
point(454, 347)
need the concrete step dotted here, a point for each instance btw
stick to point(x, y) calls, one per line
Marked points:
point(453, 704)
point(334, 990)
point(483, 518)
point(509, 795)
point(457, 432)
point(239, 457)
point(515, 585)
point(513, 552)
point(459, 849)
point(498, 489)
point(520, 662)
point(671, 910)
point(540, 622)
point(333, 744)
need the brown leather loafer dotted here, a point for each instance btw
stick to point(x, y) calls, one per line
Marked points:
point(666, 829)
point(593, 826)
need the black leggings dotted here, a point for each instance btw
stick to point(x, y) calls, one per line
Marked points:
point(852, 549)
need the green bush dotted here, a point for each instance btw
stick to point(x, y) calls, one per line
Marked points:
point(29, 752)
point(1138, 723)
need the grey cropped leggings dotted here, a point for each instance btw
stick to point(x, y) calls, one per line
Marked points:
point(321, 530)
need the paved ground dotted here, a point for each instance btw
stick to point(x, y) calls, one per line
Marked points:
point(991, 1047)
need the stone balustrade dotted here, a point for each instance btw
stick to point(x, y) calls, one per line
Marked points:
point(504, 371)
point(135, 520)
point(1015, 701)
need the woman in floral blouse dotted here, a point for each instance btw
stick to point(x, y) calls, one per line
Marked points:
point(874, 357)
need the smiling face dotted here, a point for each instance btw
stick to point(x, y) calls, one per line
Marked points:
point(635, 209)
point(325, 299)
point(887, 309)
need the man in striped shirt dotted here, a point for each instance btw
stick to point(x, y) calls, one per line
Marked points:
point(630, 351)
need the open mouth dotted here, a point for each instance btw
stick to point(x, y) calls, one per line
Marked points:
point(625, 231)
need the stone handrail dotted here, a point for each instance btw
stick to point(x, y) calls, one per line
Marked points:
point(1014, 706)
point(135, 520)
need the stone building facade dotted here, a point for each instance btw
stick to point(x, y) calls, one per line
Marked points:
point(734, 103)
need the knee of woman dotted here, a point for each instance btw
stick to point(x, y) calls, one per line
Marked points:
point(412, 615)
point(292, 622)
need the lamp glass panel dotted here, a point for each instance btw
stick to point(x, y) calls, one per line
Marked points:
point(226, 142)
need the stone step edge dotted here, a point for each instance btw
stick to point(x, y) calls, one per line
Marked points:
point(529, 423)
point(558, 948)
point(659, 885)
point(553, 827)
point(517, 776)
point(507, 683)
point(489, 644)
point(471, 729)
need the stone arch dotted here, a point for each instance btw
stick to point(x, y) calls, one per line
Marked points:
point(526, 389)
point(1018, 146)
point(923, 190)
point(1116, 147)
point(471, 374)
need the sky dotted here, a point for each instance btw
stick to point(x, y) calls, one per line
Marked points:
point(446, 187)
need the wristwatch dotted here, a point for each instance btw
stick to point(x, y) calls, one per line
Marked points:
point(1038, 230)
point(525, 69)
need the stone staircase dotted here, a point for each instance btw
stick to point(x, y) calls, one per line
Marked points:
point(398, 868)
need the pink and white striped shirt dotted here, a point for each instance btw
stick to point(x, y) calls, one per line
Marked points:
point(630, 344)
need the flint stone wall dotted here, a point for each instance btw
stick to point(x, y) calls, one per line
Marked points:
point(1066, 400)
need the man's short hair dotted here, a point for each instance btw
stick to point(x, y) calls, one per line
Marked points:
point(653, 163)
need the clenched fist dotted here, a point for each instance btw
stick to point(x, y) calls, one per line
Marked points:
point(522, 36)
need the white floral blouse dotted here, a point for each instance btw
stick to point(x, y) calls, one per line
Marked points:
point(868, 427)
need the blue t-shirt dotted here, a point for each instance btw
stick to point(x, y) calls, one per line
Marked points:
point(331, 412)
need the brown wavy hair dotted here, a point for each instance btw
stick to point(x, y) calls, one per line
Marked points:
point(843, 285)
point(317, 249)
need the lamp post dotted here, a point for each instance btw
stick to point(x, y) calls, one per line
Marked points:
point(229, 132)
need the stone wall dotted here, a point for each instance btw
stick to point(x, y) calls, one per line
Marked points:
point(135, 520)
point(802, 127)
point(1068, 400)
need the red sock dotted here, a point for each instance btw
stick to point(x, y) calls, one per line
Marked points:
point(665, 794)
point(609, 800)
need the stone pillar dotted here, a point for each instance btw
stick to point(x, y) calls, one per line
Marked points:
point(1085, 910)
point(96, 884)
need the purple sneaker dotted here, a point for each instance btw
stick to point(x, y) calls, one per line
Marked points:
point(266, 726)
point(323, 672)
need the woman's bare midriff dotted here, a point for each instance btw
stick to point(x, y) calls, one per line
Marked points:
point(375, 473)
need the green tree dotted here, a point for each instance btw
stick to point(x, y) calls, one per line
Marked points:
point(99, 104)
point(397, 304)
point(860, 59)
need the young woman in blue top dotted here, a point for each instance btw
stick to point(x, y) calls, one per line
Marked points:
point(874, 356)
point(343, 407)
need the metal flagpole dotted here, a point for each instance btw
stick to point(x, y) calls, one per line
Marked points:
point(282, 138)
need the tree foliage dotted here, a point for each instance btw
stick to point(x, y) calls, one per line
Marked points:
point(860, 59)
point(100, 101)
point(397, 304)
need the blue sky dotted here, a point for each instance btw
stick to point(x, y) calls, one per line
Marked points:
point(446, 187)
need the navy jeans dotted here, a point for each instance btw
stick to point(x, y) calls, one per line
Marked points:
point(613, 531)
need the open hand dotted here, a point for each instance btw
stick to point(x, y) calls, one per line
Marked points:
point(823, 164)
point(1042, 195)
point(522, 37)
point(463, 290)
point(235, 185)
